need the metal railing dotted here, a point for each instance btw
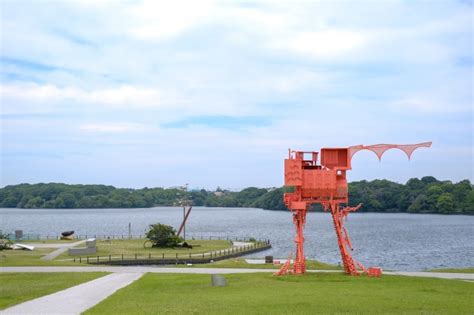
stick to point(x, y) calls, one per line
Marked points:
point(142, 237)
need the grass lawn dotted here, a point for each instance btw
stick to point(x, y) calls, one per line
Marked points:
point(50, 241)
point(309, 294)
point(114, 248)
point(241, 263)
point(20, 287)
point(454, 270)
point(30, 258)
point(135, 246)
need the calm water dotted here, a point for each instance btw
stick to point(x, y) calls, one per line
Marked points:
point(392, 241)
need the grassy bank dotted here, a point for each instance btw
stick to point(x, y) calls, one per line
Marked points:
point(20, 287)
point(309, 294)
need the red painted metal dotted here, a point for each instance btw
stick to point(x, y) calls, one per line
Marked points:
point(326, 184)
point(184, 220)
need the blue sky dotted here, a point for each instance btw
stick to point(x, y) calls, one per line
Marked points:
point(162, 93)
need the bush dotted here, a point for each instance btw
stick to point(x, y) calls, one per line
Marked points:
point(5, 243)
point(161, 235)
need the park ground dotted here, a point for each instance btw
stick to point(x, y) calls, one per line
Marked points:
point(254, 292)
point(258, 293)
point(16, 288)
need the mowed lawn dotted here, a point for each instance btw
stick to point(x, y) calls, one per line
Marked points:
point(241, 263)
point(129, 248)
point(114, 248)
point(16, 288)
point(310, 294)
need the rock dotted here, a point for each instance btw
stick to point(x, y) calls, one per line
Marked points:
point(218, 281)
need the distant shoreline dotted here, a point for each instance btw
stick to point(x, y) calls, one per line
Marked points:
point(280, 210)
point(425, 195)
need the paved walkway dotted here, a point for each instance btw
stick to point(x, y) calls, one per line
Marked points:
point(241, 244)
point(194, 270)
point(426, 274)
point(77, 299)
point(60, 250)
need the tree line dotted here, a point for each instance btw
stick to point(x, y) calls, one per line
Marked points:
point(425, 195)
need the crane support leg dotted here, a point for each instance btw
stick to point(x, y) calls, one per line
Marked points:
point(350, 266)
point(299, 219)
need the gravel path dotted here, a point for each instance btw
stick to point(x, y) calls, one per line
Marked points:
point(77, 299)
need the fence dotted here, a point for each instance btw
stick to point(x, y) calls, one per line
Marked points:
point(176, 258)
point(139, 237)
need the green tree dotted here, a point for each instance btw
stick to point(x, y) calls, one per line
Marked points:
point(36, 202)
point(68, 200)
point(10, 202)
point(162, 235)
point(419, 205)
point(445, 203)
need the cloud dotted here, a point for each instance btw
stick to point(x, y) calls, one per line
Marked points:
point(47, 93)
point(221, 122)
point(431, 105)
point(236, 83)
point(327, 44)
point(161, 20)
point(115, 128)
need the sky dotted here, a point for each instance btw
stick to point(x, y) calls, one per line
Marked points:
point(213, 93)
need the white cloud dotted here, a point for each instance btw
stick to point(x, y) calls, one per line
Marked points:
point(36, 93)
point(322, 73)
point(114, 127)
point(327, 44)
point(158, 20)
point(430, 105)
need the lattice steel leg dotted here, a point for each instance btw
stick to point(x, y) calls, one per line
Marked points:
point(299, 219)
point(343, 240)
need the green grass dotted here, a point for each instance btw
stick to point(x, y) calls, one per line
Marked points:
point(241, 263)
point(50, 241)
point(309, 294)
point(20, 287)
point(30, 258)
point(454, 270)
point(135, 246)
point(115, 248)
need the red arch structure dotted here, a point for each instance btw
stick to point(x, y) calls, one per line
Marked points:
point(325, 183)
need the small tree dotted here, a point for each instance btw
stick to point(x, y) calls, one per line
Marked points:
point(162, 235)
point(5, 243)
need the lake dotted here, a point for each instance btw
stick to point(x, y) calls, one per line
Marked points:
point(391, 240)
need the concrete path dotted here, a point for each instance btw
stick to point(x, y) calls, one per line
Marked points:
point(426, 274)
point(241, 244)
point(77, 299)
point(194, 270)
point(49, 245)
point(60, 250)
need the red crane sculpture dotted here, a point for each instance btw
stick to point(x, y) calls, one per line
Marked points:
point(326, 184)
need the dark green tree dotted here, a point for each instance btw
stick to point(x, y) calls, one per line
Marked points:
point(445, 203)
point(162, 235)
